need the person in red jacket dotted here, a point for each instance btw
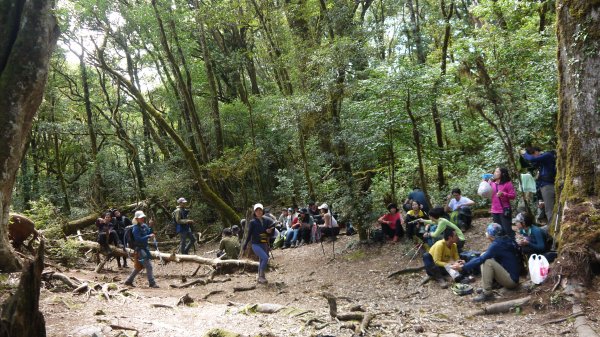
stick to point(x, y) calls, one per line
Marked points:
point(391, 223)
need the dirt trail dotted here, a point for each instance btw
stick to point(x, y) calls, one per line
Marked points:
point(358, 273)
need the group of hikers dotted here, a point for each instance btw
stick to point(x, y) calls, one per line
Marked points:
point(501, 264)
point(438, 231)
point(116, 229)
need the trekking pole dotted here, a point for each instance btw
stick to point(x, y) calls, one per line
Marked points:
point(415, 254)
point(158, 251)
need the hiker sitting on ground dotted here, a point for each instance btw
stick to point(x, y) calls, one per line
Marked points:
point(501, 262)
point(184, 226)
point(330, 227)
point(259, 231)
point(291, 235)
point(415, 229)
point(306, 222)
point(443, 259)
point(442, 223)
point(141, 257)
point(417, 195)
point(106, 232)
point(457, 201)
point(391, 223)
point(530, 237)
point(229, 248)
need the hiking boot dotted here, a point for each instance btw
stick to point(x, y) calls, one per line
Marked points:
point(484, 297)
point(129, 284)
point(467, 279)
point(442, 282)
point(262, 280)
point(154, 285)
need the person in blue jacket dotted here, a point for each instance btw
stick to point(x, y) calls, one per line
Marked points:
point(141, 233)
point(259, 231)
point(546, 163)
point(531, 238)
point(500, 262)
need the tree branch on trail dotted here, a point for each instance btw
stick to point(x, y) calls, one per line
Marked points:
point(218, 264)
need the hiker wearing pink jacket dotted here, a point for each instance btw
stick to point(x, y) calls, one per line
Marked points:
point(503, 192)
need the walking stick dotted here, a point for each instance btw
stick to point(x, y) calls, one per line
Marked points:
point(158, 251)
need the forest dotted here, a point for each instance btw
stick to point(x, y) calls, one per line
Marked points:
point(229, 103)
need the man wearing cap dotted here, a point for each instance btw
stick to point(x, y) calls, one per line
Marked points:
point(259, 231)
point(391, 223)
point(141, 233)
point(183, 226)
point(501, 262)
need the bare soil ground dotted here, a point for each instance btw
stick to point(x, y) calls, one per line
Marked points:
point(358, 275)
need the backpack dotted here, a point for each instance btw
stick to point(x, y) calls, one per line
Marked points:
point(128, 239)
point(376, 235)
point(172, 228)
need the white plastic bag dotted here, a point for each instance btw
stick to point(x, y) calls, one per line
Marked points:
point(538, 268)
point(485, 189)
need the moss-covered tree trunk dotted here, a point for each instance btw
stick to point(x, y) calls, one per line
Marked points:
point(578, 127)
point(29, 33)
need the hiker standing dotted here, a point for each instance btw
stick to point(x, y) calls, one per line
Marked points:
point(502, 193)
point(259, 231)
point(546, 162)
point(120, 222)
point(141, 233)
point(183, 226)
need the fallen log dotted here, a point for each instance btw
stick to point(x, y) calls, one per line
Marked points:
point(219, 265)
point(502, 307)
point(244, 288)
point(72, 226)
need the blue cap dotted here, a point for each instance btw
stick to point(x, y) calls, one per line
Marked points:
point(494, 230)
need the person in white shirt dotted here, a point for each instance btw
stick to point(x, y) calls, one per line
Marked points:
point(457, 201)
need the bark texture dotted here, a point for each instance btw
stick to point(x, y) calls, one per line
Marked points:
point(578, 127)
point(29, 33)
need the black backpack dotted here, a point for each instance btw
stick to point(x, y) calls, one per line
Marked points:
point(129, 240)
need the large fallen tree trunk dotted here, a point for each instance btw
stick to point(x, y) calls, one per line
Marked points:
point(73, 226)
point(218, 264)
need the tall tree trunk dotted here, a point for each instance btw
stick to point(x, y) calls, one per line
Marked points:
point(418, 145)
point(578, 126)
point(226, 213)
point(210, 75)
point(58, 160)
point(97, 183)
point(25, 50)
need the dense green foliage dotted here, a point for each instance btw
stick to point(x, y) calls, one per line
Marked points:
point(288, 101)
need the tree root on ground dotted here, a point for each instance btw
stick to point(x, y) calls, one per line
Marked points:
point(406, 271)
point(365, 318)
